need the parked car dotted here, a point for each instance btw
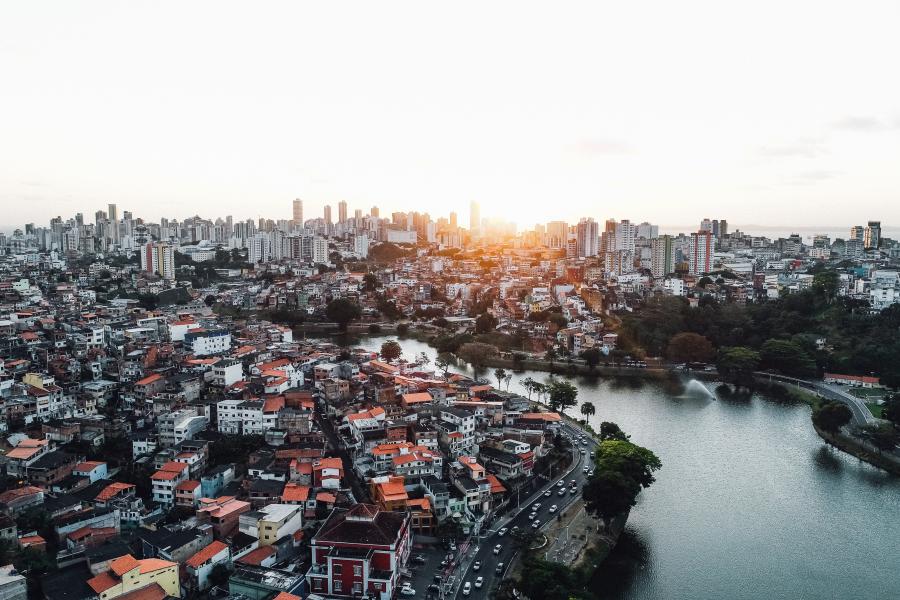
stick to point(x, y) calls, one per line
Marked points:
point(407, 590)
point(535, 506)
point(476, 565)
point(499, 569)
point(502, 532)
point(497, 549)
point(467, 588)
point(418, 558)
point(479, 582)
point(434, 588)
point(553, 509)
point(536, 523)
point(562, 492)
point(532, 516)
point(547, 493)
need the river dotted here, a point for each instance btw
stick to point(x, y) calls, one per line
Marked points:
point(750, 502)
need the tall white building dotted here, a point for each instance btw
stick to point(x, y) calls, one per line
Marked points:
point(361, 245)
point(259, 248)
point(647, 231)
point(626, 233)
point(701, 252)
point(662, 258)
point(587, 238)
point(159, 258)
point(298, 213)
point(474, 216)
point(320, 250)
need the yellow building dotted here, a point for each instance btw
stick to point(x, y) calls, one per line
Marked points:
point(127, 574)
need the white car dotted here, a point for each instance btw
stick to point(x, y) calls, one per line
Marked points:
point(536, 524)
point(407, 590)
point(560, 483)
point(476, 565)
point(553, 509)
point(591, 473)
point(535, 506)
point(532, 516)
point(497, 549)
point(586, 468)
point(467, 588)
point(502, 532)
point(561, 492)
point(479, 582)
point(548, 493)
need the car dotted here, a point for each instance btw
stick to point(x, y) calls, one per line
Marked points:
point(592, 455)
point(502, 532)
point(467, 588)
point(591, 473)
point(536, 523)
point(445, 562)
point(573, 482)
point(453, 546)
point(535, 506)
point(582, 452)
point(434, 588)
point(548, 493)
point(532, 516)
point(499, 569)
point(418, 558)
point(560, 483)
point(561, 492)
point(438, 580)
point(497, 549)
point(407, 590)
point(479, 582)
point(586, 469)
point(476, 565)
point(573, 490)
point(553, 509)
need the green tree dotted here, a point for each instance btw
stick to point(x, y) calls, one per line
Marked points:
point(831, 416)
point(370, 282)
point(611, 431)
point(390, 350)
point(787, 357)
point(689, 347)
point(633, 461)
point(882, 435)
point(219, 575)
point(562, 395)
point(737, 364)
point(891, 409)
point(485, 323)
point(608, 494)
point(342, 311)
point(477, 353)
point(591, 358)
point(443, 362)
point(528, 384)
point(588, 409)
point(500, 374)
point(826, 283)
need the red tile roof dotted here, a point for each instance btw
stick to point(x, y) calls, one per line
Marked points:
point(148, 379)
point(257, 556)
point(206, 554)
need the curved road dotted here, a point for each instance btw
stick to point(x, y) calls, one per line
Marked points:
point(519, 518)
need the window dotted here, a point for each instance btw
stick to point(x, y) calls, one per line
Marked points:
point(336, 569)
point(337, 586)
point(357, 570)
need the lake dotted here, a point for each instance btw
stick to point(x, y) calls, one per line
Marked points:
point(750, 502)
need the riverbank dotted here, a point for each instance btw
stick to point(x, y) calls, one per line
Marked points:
point(861, 450)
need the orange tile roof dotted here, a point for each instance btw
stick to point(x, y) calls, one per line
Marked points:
point(102, 582)
point(417, 398)
point(88, 465)
point(164, 476)
point(148, 565)
point(148, 379)
point(326, 497)
point(206, 554)
point(112, 490)
point(330, 462)
point(286, 596)
point(31, 540)
point(496, 486)
point(273, 404)
point(294, 492)
point(189, 485)
point(173, 467)
point(154, 591)
point(123, 564)
point(256, 556)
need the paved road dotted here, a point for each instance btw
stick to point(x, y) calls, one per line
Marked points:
point(518, 517)
point(861, 413)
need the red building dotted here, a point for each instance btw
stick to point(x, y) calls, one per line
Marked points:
point(360, 552)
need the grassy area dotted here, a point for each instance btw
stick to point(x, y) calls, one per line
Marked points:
point(875, 408)
point(866, 393)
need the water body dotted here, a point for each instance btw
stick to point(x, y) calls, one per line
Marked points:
point(750, 503)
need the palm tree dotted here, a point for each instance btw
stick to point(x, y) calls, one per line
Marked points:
point(500, 374)
point(528, 384)
point(588, 409)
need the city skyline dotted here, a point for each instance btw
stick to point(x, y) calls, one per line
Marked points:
point(589, 121)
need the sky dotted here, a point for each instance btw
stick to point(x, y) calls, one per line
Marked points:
point(769, 113)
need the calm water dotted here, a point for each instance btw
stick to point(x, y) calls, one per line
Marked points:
point(749, 504)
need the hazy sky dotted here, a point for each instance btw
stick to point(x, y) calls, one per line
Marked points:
point(765, 112)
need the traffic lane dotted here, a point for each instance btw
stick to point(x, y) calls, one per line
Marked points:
point(485, 553)
point(423, 573)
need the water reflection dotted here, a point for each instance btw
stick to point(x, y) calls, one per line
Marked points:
point(617, 574)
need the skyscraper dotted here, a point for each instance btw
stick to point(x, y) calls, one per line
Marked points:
point(662, 256)
point(113, 216)
point(159, 258)
point(856, 233)
point(298, 213)
point(328, 214)
point(453, 219)
point(374, 212)
point(587, 238)
point(342, 211)
point(557, 233)
point(701, 252)
point(872, 235)
point(474, 216)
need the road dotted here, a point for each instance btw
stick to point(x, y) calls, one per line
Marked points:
point(861, 413)
point(518, 517)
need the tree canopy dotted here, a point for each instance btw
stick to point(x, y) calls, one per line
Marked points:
point(390, 350)
point(687, 347)
point(561, 394)
point(831, 416)
point(342, 311)
point(737, 364)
